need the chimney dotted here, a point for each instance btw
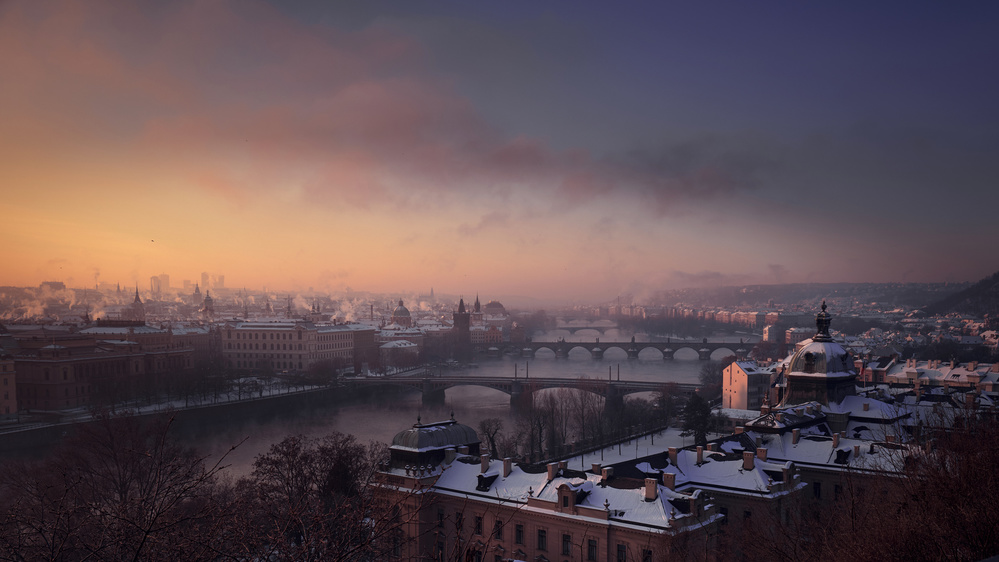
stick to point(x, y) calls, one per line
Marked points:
point(607, 473)
point(786, 472)
point(764, 410)
point(507, 466)
point(761, 453)
point(700, 455)
point(463, 450)
point(739, 429)
point(973, 365)
point(867, 406)
point(835, 440)
point(562, 465)
point(552, 470)
point(808, 409)
point(795, 435)
point(672, 456)
point(651, 489)
point(595, 468)
point(747, 460)
point(995, 367)
point(711, 446)
point(780, 417)
point(669, 480)
point(856, 451)
point(449, 455)
point(484, 459)
point(799, 411)
point(969, 399)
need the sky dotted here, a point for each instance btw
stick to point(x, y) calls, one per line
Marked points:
point(573, 151)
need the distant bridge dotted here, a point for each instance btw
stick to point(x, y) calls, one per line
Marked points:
point(573, 327)
point(597, 348)
point(522, 389)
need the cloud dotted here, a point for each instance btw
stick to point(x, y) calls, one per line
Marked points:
point(489, 220)
point(240, 100)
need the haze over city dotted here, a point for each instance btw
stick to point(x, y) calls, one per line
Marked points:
point(559, 150)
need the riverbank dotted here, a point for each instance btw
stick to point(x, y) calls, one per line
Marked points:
point(37, 437)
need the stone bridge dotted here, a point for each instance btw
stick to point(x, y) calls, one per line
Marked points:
point(597, 348)
point(522, 389)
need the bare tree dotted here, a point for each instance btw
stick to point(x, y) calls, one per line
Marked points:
point(490, 428)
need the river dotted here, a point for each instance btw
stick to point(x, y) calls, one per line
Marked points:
point(381, 420)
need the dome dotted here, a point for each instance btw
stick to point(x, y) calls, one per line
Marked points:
point(494, 307)
point(434, 436)
point(821, 371)
point(400, 311)
point(822, 356)
point(819, 357)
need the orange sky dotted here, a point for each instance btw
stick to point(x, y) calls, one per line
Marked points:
point(230, 137)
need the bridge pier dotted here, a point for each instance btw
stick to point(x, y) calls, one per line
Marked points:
point(527, 353)
point(562, 353)
point(613, 402)
point(667, 354)
point(597, 354)
point(432, 396)
point(632, 353)
point(704, 354)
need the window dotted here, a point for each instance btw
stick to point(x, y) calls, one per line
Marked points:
point(837, 492)
point(591, 549)
point(478, 524)
point(646, 555)
point(498, 530)
point(518, 534)
point(542, 539)
point(566, 544)
point(459, 520)
point(565, 500)
point(440, 517)
point(622, 553)
point(817, 490)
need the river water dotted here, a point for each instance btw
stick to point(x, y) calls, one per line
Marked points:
point(381, 420)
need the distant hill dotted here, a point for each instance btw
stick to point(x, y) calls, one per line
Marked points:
point(979, 299)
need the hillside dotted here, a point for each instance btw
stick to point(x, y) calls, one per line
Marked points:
point(979, 299)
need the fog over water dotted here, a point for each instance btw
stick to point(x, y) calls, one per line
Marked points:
point(382, 419)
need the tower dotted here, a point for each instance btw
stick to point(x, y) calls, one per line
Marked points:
point(462, 333)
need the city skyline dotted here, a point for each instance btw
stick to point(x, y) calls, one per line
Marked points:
point(567, 151)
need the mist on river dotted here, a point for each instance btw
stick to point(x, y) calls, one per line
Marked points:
point(381, 420)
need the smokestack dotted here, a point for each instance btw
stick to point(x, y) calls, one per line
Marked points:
point(672, 456)
point(484, 459)
point(507, 466)
point(747, 460)
point(552, 470)
point(761, 453)
point(669, 480)
point(651, 489)
point(700, 455)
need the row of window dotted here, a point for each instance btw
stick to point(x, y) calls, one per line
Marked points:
point(541, 542)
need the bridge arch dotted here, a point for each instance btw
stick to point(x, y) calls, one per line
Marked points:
point(650, 353)
point(722, 352)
